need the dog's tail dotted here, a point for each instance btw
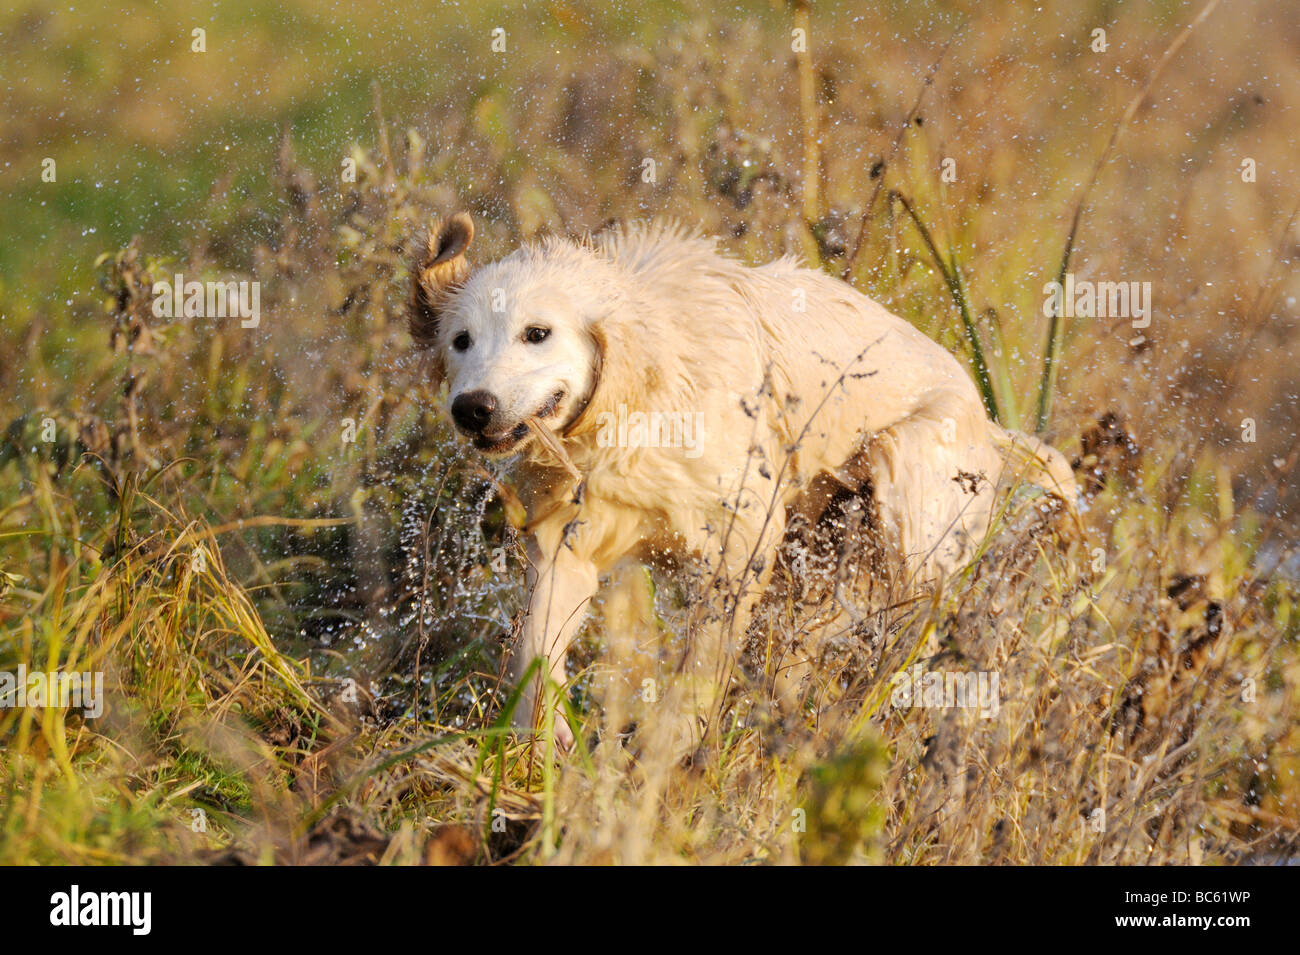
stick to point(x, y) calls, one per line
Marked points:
point(1030, 461)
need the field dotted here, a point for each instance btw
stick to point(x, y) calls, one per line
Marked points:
point(297, 582)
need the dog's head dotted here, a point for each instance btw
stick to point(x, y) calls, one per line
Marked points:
point(513, 339)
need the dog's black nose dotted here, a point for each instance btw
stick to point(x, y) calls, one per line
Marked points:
point(473, 410)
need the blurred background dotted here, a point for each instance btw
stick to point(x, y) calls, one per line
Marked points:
point(180, 148)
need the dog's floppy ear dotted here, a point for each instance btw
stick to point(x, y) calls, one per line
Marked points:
point(439, 269)
point(618, 379)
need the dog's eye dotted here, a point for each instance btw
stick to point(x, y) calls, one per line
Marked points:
point(536, 335)
point(461, 342)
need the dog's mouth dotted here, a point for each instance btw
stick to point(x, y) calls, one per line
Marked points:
point(551, 405)
point(503, 442)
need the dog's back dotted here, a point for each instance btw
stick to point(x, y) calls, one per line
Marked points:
point(853, 390)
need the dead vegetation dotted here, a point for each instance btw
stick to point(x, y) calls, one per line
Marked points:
point(299, 587)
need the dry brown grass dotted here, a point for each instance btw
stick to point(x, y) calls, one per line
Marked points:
point(324, 684)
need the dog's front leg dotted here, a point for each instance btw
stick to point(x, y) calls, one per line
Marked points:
point(561, 585)
point(734, 584)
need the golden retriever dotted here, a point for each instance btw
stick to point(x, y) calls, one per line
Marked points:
point(695, 400)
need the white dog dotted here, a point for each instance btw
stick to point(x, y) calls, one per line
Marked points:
point(698, 398)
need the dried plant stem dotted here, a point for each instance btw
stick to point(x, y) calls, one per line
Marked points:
point(1051, 358)
point(390, 174)
point(847, 274)
point(808, 115)
point(549, 441)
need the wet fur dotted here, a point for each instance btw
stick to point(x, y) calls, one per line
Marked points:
point(798, 377)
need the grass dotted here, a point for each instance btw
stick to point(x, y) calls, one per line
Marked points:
point(298, 585)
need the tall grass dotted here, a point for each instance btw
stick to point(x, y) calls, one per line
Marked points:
point(302, 634)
